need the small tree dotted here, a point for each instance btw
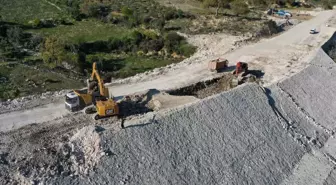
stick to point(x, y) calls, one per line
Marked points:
point(239, 7)
point(53, 51)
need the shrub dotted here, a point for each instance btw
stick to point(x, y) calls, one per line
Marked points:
point(36, 23)
point(158, 23)
point(170, 14)
point(172, 41)
point(127, 44)
point(146, 19)
point(186, 50)
point(114, 43)
point(136, 37)
point(239, 7)
point(114, 18)
point(180, 13)
point(14, 35)
point(73, 8)
point(326, 4)
point(152, 45)
point(126, 11)
point(98, 10)
point(149, 34)
point(133, 21)
point(35, 42)
point(10, 94)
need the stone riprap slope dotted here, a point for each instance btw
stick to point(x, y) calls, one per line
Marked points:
point(282, 134)
point(231, 138)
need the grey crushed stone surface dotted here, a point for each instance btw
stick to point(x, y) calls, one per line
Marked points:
point(249, 135)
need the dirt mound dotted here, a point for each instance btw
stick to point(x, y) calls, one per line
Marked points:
point(165, 101)
point(136, 103)
point(84, 150)
point(217, 85)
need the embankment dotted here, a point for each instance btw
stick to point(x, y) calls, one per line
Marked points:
point(249, 135)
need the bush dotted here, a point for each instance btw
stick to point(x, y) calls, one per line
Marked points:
point(180, 14)
point(136, 37)
point(186, 50)
point(172, 41)
point(36, 23)
point(128, 44)
point(127, 11)
point(146, 19)
point(114, 18)
point(152, 45)
point(73, 8)
point(327, 4)
point(239, 7)
point(114, 43)
point(98, 10)
point(14, 35)
point(170, 14)
point(158, 24)
point(10, 94)
point(35, 42)
point(149, 34)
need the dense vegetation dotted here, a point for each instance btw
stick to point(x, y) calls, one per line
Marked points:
point(52, 43)
point(66, 36)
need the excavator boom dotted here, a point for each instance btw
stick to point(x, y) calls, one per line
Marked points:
point(95, 75)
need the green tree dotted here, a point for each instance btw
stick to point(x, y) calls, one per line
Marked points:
point(53, 51)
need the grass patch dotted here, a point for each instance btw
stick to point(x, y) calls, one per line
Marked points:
point(122, 66)
point(22, 81)
point(84, 31)
point(136, 64)
point(22, 11)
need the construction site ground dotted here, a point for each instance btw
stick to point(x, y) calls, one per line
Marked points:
point(178, 129)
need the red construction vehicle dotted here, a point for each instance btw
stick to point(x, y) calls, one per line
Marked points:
point(241, 67)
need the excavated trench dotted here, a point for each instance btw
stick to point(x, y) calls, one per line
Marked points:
point(217, 85)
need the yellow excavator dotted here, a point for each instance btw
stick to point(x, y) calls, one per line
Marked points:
point(96, 94)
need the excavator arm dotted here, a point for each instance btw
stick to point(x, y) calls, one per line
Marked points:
point(95, 75)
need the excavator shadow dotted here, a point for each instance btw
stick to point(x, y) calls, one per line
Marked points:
point(227, 69)
point(135, 104)
point(256, 73)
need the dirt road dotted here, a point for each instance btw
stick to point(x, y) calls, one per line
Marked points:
point(17, 119)
point(278, 57)
point(271, 55)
